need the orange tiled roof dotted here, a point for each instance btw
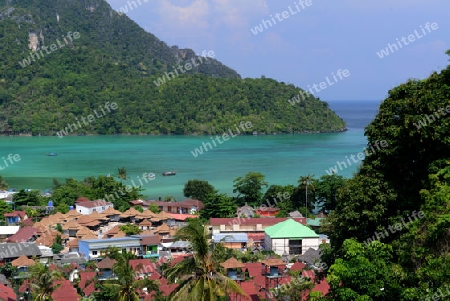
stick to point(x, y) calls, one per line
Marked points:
point(45, 240)
point(145, 222)
point(146, 214)
point(147, 232)
point(98, 216)
point(22, 261)
point(72, 225)
point(163, 229)
point(72, 214)
point(120, 234)
point(114, 230)
point(232, 263)
point(130, 212)
point(84, 231)
point(110, 211)
point(73, 243)
point(272, 262)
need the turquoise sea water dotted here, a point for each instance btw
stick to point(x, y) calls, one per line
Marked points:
point(282, 158)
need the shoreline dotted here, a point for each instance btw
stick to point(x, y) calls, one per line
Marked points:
point(255, 133)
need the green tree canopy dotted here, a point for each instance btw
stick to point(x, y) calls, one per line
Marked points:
point(250, 189)
point(218, 205)
point(197, 189)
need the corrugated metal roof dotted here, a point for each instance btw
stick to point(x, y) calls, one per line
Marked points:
point(231, 237)
point(290, 229)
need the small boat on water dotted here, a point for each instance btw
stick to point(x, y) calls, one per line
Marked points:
point(151, 175)
point(51, 154)
point(169, 173)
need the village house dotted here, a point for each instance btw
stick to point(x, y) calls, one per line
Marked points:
point(7, 231)
point(183, 207)
point(95, 248)
point(11, 251)
point(16, 217)
point(231, 240)
point(253, 227)
point(150, 246)
point(87, 207)
point(23, 235)
point(290, 237)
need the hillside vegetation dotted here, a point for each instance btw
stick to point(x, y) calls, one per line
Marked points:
point(390, 227)
point(114, 60)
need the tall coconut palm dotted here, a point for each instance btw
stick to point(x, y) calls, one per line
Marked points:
point(307, 181)
point(128, 283)
point(43, 281)
point(198, 276)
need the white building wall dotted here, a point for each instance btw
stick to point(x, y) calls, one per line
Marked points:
point(280, 246)
point(310, 243)
point(87, 211)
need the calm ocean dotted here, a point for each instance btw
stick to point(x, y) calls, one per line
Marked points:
point(282, 158)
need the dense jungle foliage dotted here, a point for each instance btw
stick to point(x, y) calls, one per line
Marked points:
point(114, 60)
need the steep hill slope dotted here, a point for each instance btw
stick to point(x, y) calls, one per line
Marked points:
point(64, 60)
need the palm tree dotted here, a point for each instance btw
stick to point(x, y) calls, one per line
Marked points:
point(42, 281)
point(122, 173)
point(127, 283)
point(198, 276)
point(307, 181)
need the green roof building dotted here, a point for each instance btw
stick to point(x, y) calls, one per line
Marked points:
point(290, 237)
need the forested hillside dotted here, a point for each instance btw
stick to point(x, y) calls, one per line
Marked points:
point(390, 228)
point(111, 59)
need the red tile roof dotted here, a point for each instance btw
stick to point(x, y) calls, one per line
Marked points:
point(82, 200)
point(66, 292)
point(106, 263)
point(89, 289)
point(23, 235)
point(322, 287)
point(24, 286)
point(147, 266)
point(16, 213)
point(259, 281)
point(252, 291)
point(253, 268)
point(85, 277)
point(182, 217)
point(265, 221)
point(297, 266)
point(28, 222)
point(7, 293)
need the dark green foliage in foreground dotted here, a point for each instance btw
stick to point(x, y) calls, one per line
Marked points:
point(411, 175)
point(116, 61)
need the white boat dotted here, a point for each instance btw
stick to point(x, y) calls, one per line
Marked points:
point(151, 175)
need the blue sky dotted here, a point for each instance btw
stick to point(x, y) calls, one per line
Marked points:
point(311, 42)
